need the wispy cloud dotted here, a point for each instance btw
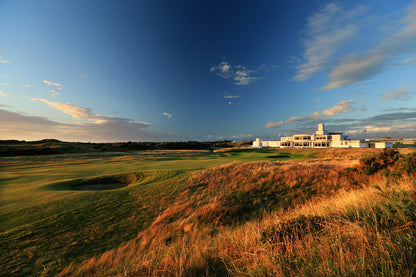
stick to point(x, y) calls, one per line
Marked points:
point(53, 92)
point(316, 100)
point(2, 93)
point(327, 31)
point(4, 84)
point(27, 86)
point(52, 84)
point(409, 60)
point(240, 74)
point(242, 77)
point(231, 96)
point(86, 113)
point(168, 115)
point(73, 110)
point(341, 107)
point(223, 70)
point(401, 93)
point(3, 60)
point(363, 66)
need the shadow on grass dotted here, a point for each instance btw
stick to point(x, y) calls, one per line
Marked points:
point(106, 182)
point(63, 185)
point(279, 156)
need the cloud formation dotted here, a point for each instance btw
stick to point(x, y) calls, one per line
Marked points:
point(231, 96)
point(168, 115)
point(23, 127)
point(341, 107)
point(86, 113)
point(52, 84)
point(399, 124)
point(3, 60)
point(333, 32)
point(409, 60)
point(240, 74)
point(362, 66)
point(326, 32)
point(401, 93)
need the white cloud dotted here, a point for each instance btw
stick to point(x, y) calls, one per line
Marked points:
point(274, 124)
point(223, 70)
point(242, 77)
point(168, 115)
point(52, 84)
point(231, 96)
point(5, 84)
point(2, 93)
point(3, 60)
point(354, 69)
point(360, 67)
point(409, 60)
point(73, 110)
point(373, 129)
point(327, 31)
point(400, 93)
point(341, 107)
point(84, 113)
point(239, 73)
point(27, 86)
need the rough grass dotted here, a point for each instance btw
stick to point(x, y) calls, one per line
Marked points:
point(259, 218)
point(320, 221)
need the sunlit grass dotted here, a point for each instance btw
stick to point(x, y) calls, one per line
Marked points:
point(204, 213)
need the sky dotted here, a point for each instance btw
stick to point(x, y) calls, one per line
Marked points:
point(161, 70)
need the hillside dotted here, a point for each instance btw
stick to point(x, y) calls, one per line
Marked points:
point(10, 148)
point(227, 214)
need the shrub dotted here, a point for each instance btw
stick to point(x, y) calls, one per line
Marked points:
point(373, 164)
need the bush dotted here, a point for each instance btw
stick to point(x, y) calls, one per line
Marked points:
point(385, 159)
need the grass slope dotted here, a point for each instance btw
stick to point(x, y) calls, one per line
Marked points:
point(201, 213)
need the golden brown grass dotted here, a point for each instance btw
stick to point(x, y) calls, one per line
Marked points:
point(271, 219)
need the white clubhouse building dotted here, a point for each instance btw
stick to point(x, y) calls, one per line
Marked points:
point(321, 139)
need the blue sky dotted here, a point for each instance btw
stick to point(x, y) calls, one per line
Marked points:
point(206, 70)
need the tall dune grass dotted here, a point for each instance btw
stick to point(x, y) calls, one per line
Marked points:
point(270, 219)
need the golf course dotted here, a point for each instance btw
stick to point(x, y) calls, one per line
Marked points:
point(198, 212)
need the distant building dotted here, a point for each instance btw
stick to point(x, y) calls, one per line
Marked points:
point(321, 139)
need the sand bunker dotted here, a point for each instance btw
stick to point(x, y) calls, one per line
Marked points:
point(106, 182)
